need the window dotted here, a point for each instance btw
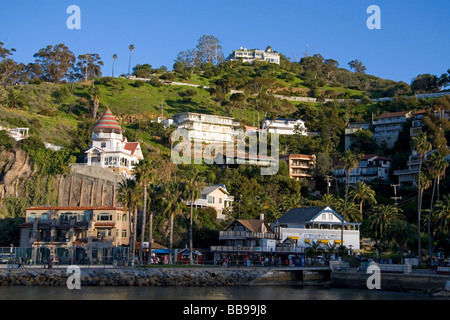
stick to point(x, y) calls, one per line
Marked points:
point(330, 216)
point(211, 199)
point(44, 216)
point(124, 217)
point(104, 217)
point(124, 233)
point(324, 216)
point(220, 200)
point(103, 145)
point(32, 217)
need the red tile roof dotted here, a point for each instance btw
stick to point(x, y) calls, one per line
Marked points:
point(107, 121)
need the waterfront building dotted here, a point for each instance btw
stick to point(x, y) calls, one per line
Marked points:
point(301, 166)
point(285, 126)
point(246, 238)
point(371, 167)
point(300, 227)
point(110, 149)
point(388, 126)
point(78, 233)
point(254, 54)
point(216, 197)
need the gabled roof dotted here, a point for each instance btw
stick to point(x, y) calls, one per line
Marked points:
point(208, 189)
point(304, 214)
point(252, 225)
point(131, 146)
point(107, 121)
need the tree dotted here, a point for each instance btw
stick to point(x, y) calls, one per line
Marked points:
point(209, 50)
point(14, 100)
point(435, 165)
point(193, 191)
point(114, 60)
point(422, 146)
point(128, 194)
point(363, 193)
point(95, 97)
point(143, 70)
point(173, 206)
point(9, 69)
point(88, 66)
point(381, 217)
point(55, 62)
point(425, 83)
point(357, 65)
point(144, 175)
point(131, 47)
point(349, 161)
point(443, 214)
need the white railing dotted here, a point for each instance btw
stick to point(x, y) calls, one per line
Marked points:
point(247, 235)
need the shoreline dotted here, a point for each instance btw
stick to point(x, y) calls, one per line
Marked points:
point(429, 284)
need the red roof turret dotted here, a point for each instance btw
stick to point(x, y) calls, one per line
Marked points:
point(107, 121)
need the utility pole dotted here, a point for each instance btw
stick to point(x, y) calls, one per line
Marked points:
point(395, 198)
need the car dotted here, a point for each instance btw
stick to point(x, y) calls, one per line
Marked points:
point(4, 258)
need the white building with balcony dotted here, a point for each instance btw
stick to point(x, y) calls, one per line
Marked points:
point(254, 54)
point(285, 126)
point(206, 128)
point(321, 224)
point(388, 126)
point(371, 167)
point(110, 149)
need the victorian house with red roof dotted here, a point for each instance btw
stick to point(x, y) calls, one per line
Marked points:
point(110, 149)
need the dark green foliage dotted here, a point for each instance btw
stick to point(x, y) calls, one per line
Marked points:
point(10, 232)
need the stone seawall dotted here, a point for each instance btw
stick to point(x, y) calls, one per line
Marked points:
point(132, 277)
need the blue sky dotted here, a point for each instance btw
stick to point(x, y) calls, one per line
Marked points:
point(413, 39)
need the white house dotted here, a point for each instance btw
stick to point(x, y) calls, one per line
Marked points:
point(320, 224)
point(388, 126)
point(205, 127)
point(216, 197)
point(255, 54)
point(285, 126)
point(371, 167)
point(110, 149)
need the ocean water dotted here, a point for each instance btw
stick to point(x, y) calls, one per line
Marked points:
point(262, 293)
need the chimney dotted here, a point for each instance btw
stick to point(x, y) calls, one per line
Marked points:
point(261, 216)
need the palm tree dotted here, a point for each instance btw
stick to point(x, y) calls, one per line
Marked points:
point(401, 231)
point(443, 214)
point(173, 206)
point(352, 211)
point(349, 162)
point(127, 195)
point(422, 146)
point(363, 193)
point(144, 175)
point(95, 96)
point(131, 47)
point(193, 190)
point(436, 166)
point(381, 217)
point(114, 60)
point(265, 203)
point(423, 183)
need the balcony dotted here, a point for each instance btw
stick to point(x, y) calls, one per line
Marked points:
point(244, 250)
point(228, 235)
